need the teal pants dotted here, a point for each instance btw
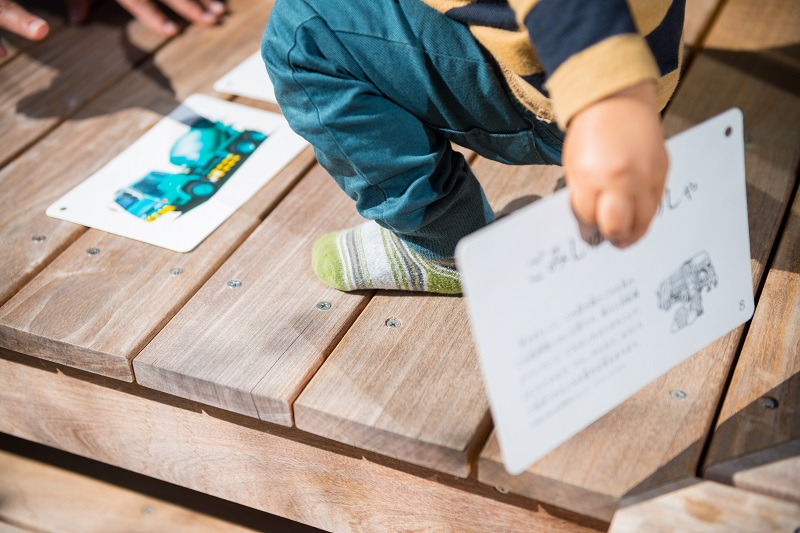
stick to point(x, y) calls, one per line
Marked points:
point(380, 88)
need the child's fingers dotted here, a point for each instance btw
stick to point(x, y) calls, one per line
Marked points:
point(645, 210)
point(584, 204)
point(615, 217)
point(192, 11)
point(213, 6)
point(149, 15)
point(17, 20)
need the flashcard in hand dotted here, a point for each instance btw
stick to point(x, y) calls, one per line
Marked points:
point(566, 330)
point(185, 176)
point(248, 79)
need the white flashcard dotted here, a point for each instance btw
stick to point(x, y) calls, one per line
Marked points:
point(566, 331)
point(185, 176)
point(248, 79)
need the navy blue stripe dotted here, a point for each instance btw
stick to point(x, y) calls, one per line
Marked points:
point(665, 40)
point(538, 82)
point(560, 29)
point(492, 13)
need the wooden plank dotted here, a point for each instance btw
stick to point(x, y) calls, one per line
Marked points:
point(760, 418)
point(109, 124)
point(47, 498)
point(97, 312)
point(653, 439)
point(774, 472)
point(253, 463)
point(40, 89)
point(710, 508)
point(415, 393)
point(251, 350)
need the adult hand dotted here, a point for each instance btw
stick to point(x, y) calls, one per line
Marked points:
point(616, 163)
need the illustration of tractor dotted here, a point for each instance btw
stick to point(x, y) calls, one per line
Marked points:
point(685, 288)
point(209, 153)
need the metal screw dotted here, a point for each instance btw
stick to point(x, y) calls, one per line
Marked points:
point(177, 271)
point(39, 238)
point(768, 402)
point(323, 306)
point(393, 323)
point(147, 510)
point(501, 490)
point(678, 394)
point(234, 284)
point(93, 251)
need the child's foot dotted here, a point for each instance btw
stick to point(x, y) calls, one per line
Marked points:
point(371, 257)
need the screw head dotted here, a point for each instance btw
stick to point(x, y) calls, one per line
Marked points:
point(93, 251)
point(768, 402)
point(678, 394)
point(177, 271)
point(393, 323)
point(323, 306)
point(39, 238)
point(501, 490)
point(147, 510)
point(234, 284)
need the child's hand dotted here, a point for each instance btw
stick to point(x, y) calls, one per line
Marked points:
point(616, 163)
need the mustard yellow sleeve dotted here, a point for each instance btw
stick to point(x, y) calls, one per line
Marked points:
point(589, 50)
point(599, 71)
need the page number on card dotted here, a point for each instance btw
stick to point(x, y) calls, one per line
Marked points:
point(741, 305)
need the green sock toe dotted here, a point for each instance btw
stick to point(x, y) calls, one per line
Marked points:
point(371, 257)
point(326, 263)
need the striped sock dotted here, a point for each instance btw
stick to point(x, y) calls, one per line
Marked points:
point(371, 257)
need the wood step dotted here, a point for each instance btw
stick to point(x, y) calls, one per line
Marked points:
point(653, 439)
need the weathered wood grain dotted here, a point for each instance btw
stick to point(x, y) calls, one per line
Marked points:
point(774, 471)
point(108, 124)
point(253, 463)
point(652, 439)
point(708, 507)
point(760, 417)
point(251, 350)
point(46, 498)
point(56, 77)
point(97, 312)
point(415, 392)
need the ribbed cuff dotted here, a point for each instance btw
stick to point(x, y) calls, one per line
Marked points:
point(599, 71)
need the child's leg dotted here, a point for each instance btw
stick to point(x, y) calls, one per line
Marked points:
point(379, 88)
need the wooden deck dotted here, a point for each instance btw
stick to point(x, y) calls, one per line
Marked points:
point(329, 417)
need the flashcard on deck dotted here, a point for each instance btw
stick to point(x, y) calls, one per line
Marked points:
point(248, 79)
point(185, 176)
point(566, 331)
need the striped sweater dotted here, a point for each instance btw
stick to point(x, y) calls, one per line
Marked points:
point(560, 56)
